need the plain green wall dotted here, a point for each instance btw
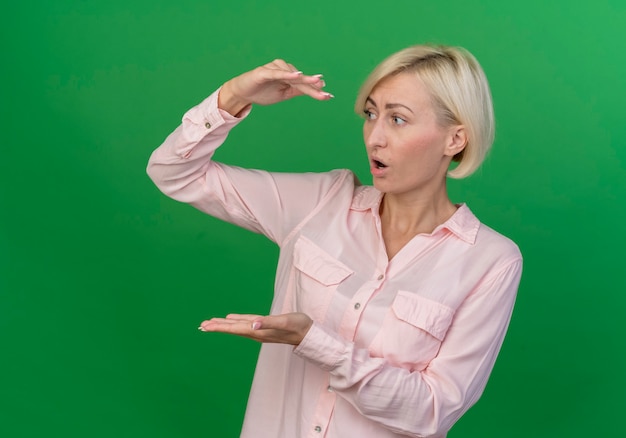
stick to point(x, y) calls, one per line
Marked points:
point(103, 280)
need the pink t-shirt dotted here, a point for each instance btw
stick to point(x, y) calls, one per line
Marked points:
point(399, 347)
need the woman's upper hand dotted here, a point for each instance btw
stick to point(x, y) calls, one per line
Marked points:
point(288, 328)
point(268, 84)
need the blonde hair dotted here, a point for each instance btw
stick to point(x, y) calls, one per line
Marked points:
point(459, 90)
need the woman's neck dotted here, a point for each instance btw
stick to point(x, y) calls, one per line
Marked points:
point(417, 217)
point(405, 216)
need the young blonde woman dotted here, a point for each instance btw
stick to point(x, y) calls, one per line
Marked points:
point(391, 302)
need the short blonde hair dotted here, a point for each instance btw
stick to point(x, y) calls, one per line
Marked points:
point(459, 90)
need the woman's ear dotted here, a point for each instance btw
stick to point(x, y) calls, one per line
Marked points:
point(457, 140)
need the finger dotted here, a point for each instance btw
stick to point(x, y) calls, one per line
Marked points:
point(220, 321)
point(242, 328)
point(300, 84)
point(307, 79)
point(315, 79)
point(254, 320)
point(246, 317)
point(281, 70)
point(278, 74)
point(282, 64)
point(298, 81)
point(311, 86)
point(318, 84)
point(313, 92)
point(214, 321)
point(231, 319)
point(271, 322)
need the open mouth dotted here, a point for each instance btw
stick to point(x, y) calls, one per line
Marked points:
point(379, 164)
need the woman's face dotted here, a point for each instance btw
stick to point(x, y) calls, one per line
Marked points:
point(408, 150)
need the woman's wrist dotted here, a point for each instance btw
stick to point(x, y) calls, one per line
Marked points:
point(228, 102)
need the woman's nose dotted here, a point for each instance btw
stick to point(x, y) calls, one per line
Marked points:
point(375, 134)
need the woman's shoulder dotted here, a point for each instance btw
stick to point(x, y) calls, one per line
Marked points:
point(342, 190)
point(483, 240)
point(341, 181)
point(489, 239)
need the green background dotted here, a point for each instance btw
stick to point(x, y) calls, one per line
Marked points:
point(103, 280)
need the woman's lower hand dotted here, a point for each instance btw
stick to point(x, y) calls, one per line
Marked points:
point(288, 328)
point(268, 84)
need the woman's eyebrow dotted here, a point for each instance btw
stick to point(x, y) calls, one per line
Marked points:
point(370, 100)
point(398, 105)
point(389, 105)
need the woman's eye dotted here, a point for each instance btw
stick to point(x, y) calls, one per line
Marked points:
point(398, 120)
point(369, 115)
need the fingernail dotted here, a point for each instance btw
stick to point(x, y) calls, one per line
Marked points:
point(256, 325)
point(328, 95)
point(318, 76)
point(201, 328)
point(297, 72)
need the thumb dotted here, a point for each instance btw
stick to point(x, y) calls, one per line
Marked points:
point(277, 322)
